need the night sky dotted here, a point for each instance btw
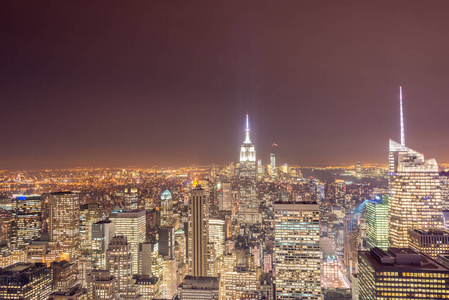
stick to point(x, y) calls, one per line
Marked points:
point(167, 83)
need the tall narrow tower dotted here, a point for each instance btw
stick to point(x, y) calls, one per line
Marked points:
point(402, 118)
point(248, 212)
point(198, 232)
point(415, 198)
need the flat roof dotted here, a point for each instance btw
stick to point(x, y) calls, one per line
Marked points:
point(427, 264)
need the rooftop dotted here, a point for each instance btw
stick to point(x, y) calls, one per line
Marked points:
point(426, 263)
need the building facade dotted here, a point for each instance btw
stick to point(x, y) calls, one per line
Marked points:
point(400, 273)
point(131, 224)
point(64, 224)
point(248, 212)
point(198, 231)
point(415, 197)
point(377, 223)
point(297, 251)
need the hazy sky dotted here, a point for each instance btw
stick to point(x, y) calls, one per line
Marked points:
point(87, 83)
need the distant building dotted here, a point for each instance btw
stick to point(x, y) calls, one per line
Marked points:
point(26, 219)
point(167, 242)
point(25, 281)
point(377, 223)
point(194, 288)
point(102, 233)
point(227, 197)
point(89, 214)
point(350, 229)
point(400, 273)
point(430, 242)
point(131, 199)
point(64, 224)
point(166, 209)
point(217, 235)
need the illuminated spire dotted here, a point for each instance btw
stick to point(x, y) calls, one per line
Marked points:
point(402, 118)
point(247, 139)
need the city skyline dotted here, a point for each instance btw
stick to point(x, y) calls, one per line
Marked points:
point(76, 95)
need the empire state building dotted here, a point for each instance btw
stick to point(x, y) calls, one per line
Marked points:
point(248, 212)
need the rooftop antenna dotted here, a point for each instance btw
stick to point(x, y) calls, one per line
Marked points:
point(402, 118)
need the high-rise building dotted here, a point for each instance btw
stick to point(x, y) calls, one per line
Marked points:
point(145, 254)
point(198, 231)
point(102, 233)
point(227, 196)
point(217, 235)
point(25, 281)
point(273, 162)
point(131, 198)
point(259, 166)
point(101, 285)
point(194, 288)
point(119, 262)
point(415, 200)
point(64, 223)
point(430, 242)
point(167, 242)
point(377, 223)
point(297, 250)
point(350, 231)
point(166, 209)
point(26, 219)
point(131, 224)
point(248, 212)
point(400, 274)
point(89, 214)
point(358, 170)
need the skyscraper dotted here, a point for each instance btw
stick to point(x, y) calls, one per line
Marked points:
point(400, 273)
point(26, 219)
point(350, 231)
point(131, 224)
point(198, 231)
point(297, 250)
point(119, 262)
point(377, 223)
point(227, 196)
point(131, 198)
point(89, 214)
point(273, 161)
point(166, 209)
point(64, 223)
point(102, 233)
point(415, 200)
point(248, 212)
